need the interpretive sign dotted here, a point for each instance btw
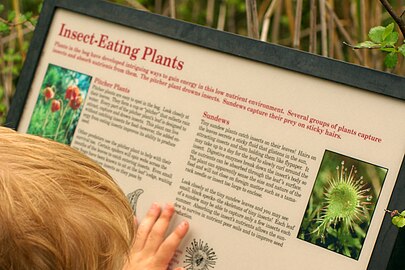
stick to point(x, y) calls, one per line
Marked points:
point(279, 159)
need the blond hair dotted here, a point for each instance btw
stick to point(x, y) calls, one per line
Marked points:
point(58, 208)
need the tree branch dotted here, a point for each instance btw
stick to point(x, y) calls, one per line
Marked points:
point(252, 21)
point(11, 24)
point(400, 22)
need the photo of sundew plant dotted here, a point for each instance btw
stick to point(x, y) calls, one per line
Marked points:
point(59, 104)
point(341, 204)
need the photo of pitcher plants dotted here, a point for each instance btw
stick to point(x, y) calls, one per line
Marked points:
point(341, 205)
point(59, 104)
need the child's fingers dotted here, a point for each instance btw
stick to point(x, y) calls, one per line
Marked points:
point(146, 226)
point(158, 232)
point(171, 243)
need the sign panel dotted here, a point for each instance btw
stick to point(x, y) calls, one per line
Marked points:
point(278, 158)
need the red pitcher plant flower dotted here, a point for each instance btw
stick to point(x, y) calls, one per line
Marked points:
point(72, 92)
point(48, 93)
point(76, 102)
point(55, 105)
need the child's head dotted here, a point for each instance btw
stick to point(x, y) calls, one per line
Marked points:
point(58, 208)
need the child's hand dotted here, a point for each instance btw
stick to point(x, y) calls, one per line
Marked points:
point(151, 250)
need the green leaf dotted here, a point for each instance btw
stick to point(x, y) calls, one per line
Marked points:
point(346, 252)
point(391, 39)
point(33, 21)
point(1, 7)
point(15, 70)
point(22, 19)
point(25, 46)
point(7, 58)
point(10, 51)
point(4, 27)
point(388, 49)
point(388, 30)
point(28, 15)
point(401, 49)
point(1, 92)
point(367, 44)
point(376, 34)
point(398, 221)
point(16, 57)
point(11, 16)
point(391, 60)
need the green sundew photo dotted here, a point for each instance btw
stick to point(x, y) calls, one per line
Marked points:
point(341, 204)
point(59, 104)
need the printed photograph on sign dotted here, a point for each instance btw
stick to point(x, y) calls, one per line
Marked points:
point(59, 104)
point(342, 203)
